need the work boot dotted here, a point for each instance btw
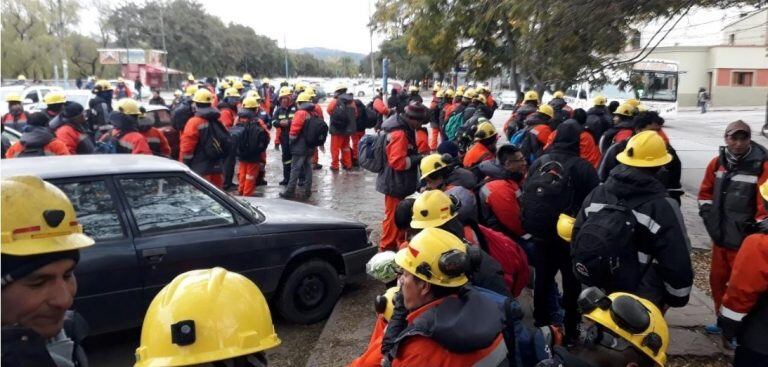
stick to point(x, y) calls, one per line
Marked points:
point(287, 195)
point(317, 166)
point(286, 174)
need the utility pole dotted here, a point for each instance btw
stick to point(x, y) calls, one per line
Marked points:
point(285, 50)
point(165, 50)
point(64, 66)
point(373, 69)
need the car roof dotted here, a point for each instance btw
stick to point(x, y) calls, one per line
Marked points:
point(89, 165)
point(155, 107)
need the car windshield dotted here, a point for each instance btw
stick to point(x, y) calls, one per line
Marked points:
point(612, 91)
point(657, 86)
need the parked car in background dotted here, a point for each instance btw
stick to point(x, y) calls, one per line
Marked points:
point(32, 96)
point(507, 99)
point(161, 116)
point(153, 218)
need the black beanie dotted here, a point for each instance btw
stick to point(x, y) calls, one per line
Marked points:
point(38, 119)
point(71, 109)
point(17, 267)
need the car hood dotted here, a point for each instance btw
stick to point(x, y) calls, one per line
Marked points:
point(278, 211)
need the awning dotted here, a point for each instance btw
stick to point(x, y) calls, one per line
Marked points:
point(160, 69)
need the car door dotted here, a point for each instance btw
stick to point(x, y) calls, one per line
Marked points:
point(182, 225)
point(109, 286)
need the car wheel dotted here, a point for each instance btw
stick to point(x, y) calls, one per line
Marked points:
point(361, 94)
point(309, 292)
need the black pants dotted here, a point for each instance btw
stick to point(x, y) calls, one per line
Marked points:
point(554, 255)
point(229, 168)
point(285, 149)
point(747, 357)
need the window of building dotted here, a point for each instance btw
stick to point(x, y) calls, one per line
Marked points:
point(742, 78)
point(635, 40)
point(731, 39)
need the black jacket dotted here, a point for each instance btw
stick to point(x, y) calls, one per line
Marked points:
point(598, 121)
point(660, 235)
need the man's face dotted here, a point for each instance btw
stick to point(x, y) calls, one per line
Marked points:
point(654, 126)
point(39, 300)
point(516, 163)
point(738, 142)
point(415, 291)
point(433, 183)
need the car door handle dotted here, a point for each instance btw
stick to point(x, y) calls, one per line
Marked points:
point(154, 255)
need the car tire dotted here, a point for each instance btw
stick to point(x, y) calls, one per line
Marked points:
point(309, 292)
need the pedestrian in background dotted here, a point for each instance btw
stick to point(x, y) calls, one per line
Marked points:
point(703, 99)
point(137, 85)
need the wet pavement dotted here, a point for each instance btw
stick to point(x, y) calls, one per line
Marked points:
point(352, 193)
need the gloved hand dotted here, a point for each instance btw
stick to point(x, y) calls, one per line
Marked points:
point(396, 325)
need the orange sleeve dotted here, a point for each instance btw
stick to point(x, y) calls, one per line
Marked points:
point(298, 123)
point(319, 111)
point(380, 107)
point(189, 138)
point(165, 147)
point(56, 147)
point(504, 205)
point(749, 279)
point(372, 355)
point(331, 106)
point(397, 151)
point(278, 132)
point(422, 141)
point(587, 148)
point(17, 148)
point(706, 191)
point(227, 118)
point(66, 135)
point(550, 139)
point(622, 135)
point(543, 134)
point(760, 211)
point(140, 145)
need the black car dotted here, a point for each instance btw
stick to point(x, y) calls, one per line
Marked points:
point(152, 219)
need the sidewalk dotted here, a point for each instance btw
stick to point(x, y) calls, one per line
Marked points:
point(722, 108)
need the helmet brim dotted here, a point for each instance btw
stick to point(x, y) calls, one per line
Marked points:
point(37, 246)
point(644, 163)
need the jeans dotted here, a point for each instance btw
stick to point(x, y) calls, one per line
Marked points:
point(301, 166)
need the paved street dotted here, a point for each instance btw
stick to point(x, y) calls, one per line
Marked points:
point(346, 333)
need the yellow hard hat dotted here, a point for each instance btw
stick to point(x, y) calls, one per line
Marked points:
point(645, 149)
point(436, 257)
point(13, 97)
point(129, 106)
point(431, 164)
point(55, 98)
point(764, 190)
point(632, 102)
point(250, 102)
point(265, 81)
point(485, 130)
point(565, 224)
point(38, 218)
point(284, 91)
point(625, 110)
point(599, 101)
point(461, 89)
point(480, 98)
point(303, 97)
point(203, 96)
point(459, 93)
point(120, 80)
point(413, 88)
point(231, 92)
point(450, 93)
point(190, 77)
point(238, 85)
point(432, 208)
point(385, 304)
point(642, 108)
point(248, 78)
point(531, 95)
point(205, 316)
point(253, 93)
point(225, 85)
point(310, 91)
point(647, 331)
point(558, 94)
point(547, 110)
point(436, 87)
point(299, 87)
point(340, 87)
point(470, 93)
point(104, 85)
point(191, 90)
point(21, 77)
point(440, 94)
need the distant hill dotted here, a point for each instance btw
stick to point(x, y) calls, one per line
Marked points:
point(325, 53)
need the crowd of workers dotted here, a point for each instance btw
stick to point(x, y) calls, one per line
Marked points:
point(469, 223)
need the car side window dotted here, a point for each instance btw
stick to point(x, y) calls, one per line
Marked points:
point(32, 96)
point(168, 204)
point(95, 207)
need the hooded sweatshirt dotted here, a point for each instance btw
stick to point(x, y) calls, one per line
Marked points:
point(190, 151)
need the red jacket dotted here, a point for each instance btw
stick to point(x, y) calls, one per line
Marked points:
point(380, 107)
point(227, 117)
point(422, 141)
point(422, 351)
point(55, 147)
point(397, 151)
point(157, 141)
point(190, 137)
point(68, 135)
point(500, 198)
point(749, 278)
point(133, 143)
point(587, 147)
point(542, 132)
point(297, 124)
point(476, 154)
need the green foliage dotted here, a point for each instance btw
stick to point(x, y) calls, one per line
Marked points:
point(402, 63)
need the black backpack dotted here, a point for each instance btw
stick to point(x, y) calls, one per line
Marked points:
point(180, 115)
point(252, 142)
point(215, 140)
point(603, 250)
point(372, 152)
point(342, 115)
point(315, 131)
point(547, 193)
point(371, 116)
